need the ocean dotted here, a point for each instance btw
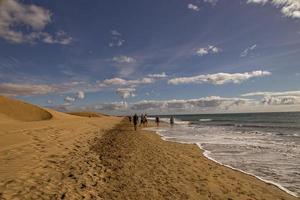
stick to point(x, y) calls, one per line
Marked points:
point(265, 145)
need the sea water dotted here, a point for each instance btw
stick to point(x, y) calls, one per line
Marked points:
point(266, 145)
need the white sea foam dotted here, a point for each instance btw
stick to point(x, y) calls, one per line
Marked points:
point(205, 120)
point(207, 155)
point(227, 146)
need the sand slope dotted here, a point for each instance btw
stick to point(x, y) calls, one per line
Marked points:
point(87, 114)
point(18, 110)
point(40, 159)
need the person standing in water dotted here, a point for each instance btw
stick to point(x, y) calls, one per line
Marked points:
point(172, 120)
point(135, 121)
point(157, 120)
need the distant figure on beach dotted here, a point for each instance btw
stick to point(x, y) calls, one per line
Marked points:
point(135, 121)
point(129, 118)
point(145, 120)
point(172, 120)
point(142, 120)
point(157, 120)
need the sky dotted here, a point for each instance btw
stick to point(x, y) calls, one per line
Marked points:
point(159, 56)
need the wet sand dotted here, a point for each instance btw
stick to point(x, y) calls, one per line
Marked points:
point(140, 165)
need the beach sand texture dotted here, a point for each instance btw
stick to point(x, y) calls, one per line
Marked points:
point(46, 154)
point(48, 157)
point(139, 165)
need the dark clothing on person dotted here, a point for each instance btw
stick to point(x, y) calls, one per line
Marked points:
point(142, 119)
point(172, 120)
point(135, 121)
point(129, 118)
point(157, 121)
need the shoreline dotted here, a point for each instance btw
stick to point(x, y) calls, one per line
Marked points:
point(141, 165)
point(73, 157)
point(206, 153)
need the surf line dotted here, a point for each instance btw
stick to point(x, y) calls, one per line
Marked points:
point(206, 154)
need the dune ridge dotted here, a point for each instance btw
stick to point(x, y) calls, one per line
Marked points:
point(22, 111)
point(87, 114)
point(48, 159)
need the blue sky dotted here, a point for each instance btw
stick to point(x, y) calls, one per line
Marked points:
point(174, 56)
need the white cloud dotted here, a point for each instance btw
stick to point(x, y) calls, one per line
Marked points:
point(219, 78)
point(115, 81)
point(189, 104)
point(123, 59)
point(49, 101)
point(193, 7)
point(257, 1)
point(12, 89)
point(289, 8)
point(23, 89)
point(59, 38)
point(116, 43)
point(281, 100)
point(80, 95)
point(115, 33)
point(285, 93)
point(208, 50)
point(248, 50)
point(213, 2)
point(162, 75)
point(111, 106)
point(120, 81)
point(202, 51)
point(72, 99)
point(277, 98)
point(104, 107)
point(69, 99)
point(125, 93)
point(205, 105)
point(14, 14)
point(116, 39)
point(131, 84)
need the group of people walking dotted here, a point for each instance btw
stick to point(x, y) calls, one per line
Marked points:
point(135, 120)
point(144, 120)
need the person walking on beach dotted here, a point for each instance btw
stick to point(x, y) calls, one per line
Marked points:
point(142, 120)
point(145, 120)
point(172, 120)
point(157, 120)
point(135, 121)
point(129, 118)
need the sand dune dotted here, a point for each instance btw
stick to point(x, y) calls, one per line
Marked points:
point(87, 114)
point(37, 158)
point(18, 110)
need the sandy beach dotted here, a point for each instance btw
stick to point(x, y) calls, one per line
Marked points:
point(142, 166)
point(45, 154)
